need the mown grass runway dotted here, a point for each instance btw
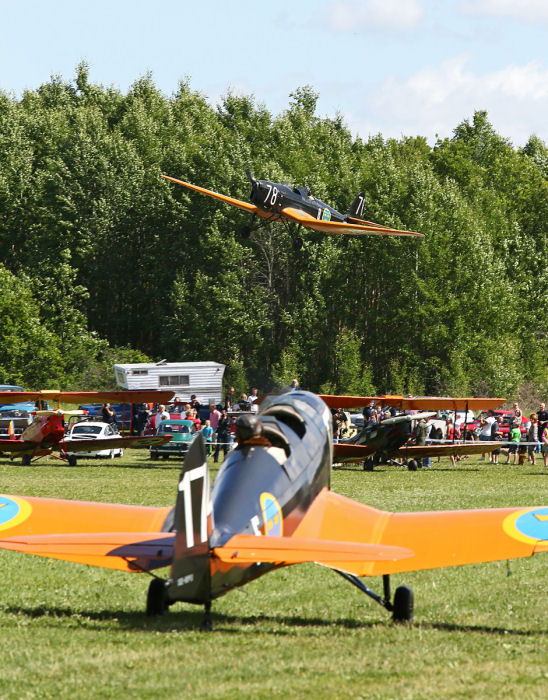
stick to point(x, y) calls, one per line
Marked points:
point(68, 630)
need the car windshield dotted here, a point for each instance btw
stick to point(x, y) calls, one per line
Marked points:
point(174, 428)
point(86, 429)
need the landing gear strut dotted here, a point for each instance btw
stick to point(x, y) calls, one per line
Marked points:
point(403, 606)
point(206, 625)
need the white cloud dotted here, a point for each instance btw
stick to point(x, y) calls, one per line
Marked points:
point(364, 15)
point(437, 98)
point(521, 10)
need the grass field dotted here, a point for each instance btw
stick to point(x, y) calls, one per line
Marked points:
point(68, 630)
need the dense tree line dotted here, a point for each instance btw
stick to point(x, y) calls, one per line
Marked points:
point(102, 260)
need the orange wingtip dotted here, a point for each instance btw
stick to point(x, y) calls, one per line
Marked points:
point(293, 550)
point(223, 197)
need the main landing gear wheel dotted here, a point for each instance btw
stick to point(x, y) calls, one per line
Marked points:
point(403, 605)
point(25, 460)
point(157, 603)
point(298, 243)
point(246, 231)
point(413, 465)
point(72, 460)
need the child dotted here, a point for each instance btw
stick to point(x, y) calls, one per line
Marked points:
point(207, 432)
point(514, 437)
point(544, 445)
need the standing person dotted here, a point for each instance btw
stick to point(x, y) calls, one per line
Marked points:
point(496, 434)
point(214, 416)
point(422, 433)
point(223, 435)
point(542, 415)
point(294, 385)
point(514, 437)
point(544, 445)
point(532, 436)
point(108, 415)
point(207, 432)
point(161, 415)
point(194, 403)
point(253, 398)
point(486, 423)
point(140, 418)
point(450, 436)
point(229, 399)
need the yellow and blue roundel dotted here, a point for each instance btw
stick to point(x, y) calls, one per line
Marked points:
point(529, 525)
point(326, 216)
point(272, 515)
point(13, 511)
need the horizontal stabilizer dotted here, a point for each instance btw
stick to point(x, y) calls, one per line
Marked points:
point(296, 550)
point(107, 549)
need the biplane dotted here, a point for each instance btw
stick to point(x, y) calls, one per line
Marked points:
point(46, 434)
point(280, 201)
point(270, 506)
point(389, 440)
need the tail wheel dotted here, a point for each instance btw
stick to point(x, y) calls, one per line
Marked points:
point(157, 603)
point(403, 605)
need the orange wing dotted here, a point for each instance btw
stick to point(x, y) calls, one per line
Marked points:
point(224, 198)
point(422, 403)
point(437, 539)
point(305, 219)
point(99, 534)
point(84, 397)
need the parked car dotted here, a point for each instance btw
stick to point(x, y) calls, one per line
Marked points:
point(89, 430)
point(183, 433)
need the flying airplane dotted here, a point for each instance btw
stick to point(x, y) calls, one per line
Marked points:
point(280, 201)
point(388, 440)
point(270, 506)
point(47, 432)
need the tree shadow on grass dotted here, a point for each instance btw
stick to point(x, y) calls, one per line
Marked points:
point(279, 625)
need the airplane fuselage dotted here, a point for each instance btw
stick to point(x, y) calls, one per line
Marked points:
point(261, 491)
point(273, 197)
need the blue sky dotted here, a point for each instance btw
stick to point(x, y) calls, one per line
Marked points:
point(395, 67)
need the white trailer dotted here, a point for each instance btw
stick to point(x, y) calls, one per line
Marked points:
point(205, 379)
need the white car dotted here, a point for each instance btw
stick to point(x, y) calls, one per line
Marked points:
point(89, 430)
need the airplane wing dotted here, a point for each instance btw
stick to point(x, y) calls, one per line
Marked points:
point(305, 219)
point(436, 538)
point(96, 444)
point(17, 446)
point(357, 453)
point(421, 403)
point(88, 397)
point(224, 198)
point(127, 538)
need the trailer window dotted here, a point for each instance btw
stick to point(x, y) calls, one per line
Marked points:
point(139, 371)
point(175, 380)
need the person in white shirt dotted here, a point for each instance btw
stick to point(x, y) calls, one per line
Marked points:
point(161, 415)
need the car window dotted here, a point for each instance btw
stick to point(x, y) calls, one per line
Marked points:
point(86, 430)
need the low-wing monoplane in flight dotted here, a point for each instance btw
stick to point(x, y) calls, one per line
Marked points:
point(270, 506)
point(280, 201)
point(389, 439)
point(46, 434)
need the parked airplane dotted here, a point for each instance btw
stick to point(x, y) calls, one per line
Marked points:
point(270, 506)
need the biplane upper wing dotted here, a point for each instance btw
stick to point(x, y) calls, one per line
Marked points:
point(88, 397)
point(436, 538)
point(356, 453)
point(305, 219)
point(223, 197)
point(421, 403)
point(128, 538)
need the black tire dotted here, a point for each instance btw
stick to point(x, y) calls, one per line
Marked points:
point(72, 460)
point(25, 460)
point(412, 465)
point(153, 455)
point(298, 243)
point(157, 598)
point(246, 231)
point(403, 605)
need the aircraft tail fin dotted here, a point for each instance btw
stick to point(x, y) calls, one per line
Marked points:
point(193, 524)
point(357, 207)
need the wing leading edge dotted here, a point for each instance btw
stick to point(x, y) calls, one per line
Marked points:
point(308, 221)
